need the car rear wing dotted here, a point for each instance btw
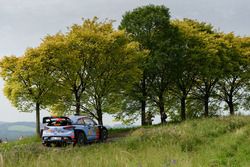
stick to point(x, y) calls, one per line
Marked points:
point(49, 119)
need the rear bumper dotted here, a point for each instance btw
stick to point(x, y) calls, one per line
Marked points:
point(57, 139)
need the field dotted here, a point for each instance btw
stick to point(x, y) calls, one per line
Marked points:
point(205, 142)
point(13, 131)
point(21, 128)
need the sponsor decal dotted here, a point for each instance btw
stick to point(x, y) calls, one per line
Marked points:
point(90, 132)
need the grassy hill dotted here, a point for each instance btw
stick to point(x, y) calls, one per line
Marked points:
point(205, 142)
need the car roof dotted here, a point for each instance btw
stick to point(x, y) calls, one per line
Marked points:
point(74, 118)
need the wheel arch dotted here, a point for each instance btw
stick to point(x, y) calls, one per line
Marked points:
point(80, 130)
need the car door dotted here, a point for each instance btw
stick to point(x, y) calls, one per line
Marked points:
point(80, 125)
point(90, 124)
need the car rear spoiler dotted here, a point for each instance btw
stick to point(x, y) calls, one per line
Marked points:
point(48, 119)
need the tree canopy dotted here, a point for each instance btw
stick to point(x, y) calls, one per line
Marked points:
point(150, 65)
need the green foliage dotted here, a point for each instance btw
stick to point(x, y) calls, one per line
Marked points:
point(232, 87)
point(146, 23)
point(186, 60)
point(151, 63)
point(70, 62)
point(208, 66)
point(114, 65)
point(29, 82)
point(150, 26)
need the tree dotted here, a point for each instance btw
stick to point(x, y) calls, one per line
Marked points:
point(233, 85)
point(245, 49)
point(93, 61)
point(114, 58)
point(55, 53)
point(185, 67)
point(70, 54)
point(28, 82)
point(160, 78)
point(208, 63)
point(146, 25)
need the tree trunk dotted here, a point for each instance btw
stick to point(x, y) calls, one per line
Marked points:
point(77, 100)
point(99, 112)
point(231, 108)
point(231, 105)
point(38, 119)
point(183, 108)
point(78, 106)
point(143, 102)
point(99, 115)
point(162, 109)
point(206, 101)
point(143, 112)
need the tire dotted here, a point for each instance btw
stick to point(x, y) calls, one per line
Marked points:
point(81, 139)
point(47, 145)
point(104, 134)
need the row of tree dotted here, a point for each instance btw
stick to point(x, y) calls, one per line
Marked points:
point(188, 62)
point(184, 68)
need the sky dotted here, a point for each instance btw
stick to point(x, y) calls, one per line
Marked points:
point(23, 23)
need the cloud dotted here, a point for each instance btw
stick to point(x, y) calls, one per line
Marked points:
point(227, 15)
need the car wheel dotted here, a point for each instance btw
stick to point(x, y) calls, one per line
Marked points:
point(47, 145)
point(81, 139)
point(104, 134)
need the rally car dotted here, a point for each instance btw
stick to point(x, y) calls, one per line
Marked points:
point(76, 130)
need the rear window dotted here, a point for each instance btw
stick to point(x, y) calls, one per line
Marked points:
point(59, 122)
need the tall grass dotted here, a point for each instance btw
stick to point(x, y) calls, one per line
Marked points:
point(205, 142)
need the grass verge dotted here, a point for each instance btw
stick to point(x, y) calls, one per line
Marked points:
point(204, 142)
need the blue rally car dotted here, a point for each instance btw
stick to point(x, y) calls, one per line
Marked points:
point(76, 130)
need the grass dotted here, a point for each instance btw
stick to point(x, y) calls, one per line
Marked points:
point(202, 143)
point(121, 132)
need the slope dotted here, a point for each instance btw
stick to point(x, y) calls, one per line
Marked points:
point(203, 142)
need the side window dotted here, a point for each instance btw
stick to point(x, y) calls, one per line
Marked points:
point(80, 121)
point(89, 122)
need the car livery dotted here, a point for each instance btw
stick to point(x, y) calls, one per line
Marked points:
point(76, 130)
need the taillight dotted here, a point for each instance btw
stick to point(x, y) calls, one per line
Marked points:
point(72, 135)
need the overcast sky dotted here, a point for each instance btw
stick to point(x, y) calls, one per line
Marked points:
point(23, 23)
